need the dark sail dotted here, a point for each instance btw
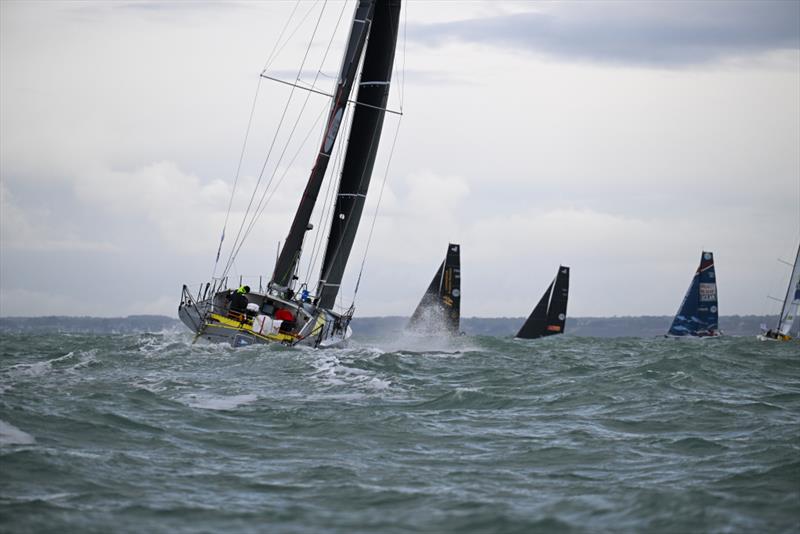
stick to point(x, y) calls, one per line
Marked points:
point(440, 307)
point(549, 317)
point(362, 147)
point(698, 315)
point(290, 253)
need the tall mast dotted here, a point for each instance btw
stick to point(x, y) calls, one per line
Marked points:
point(362, 147)
point(290, 254)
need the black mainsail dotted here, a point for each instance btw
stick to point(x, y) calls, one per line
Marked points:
point(290, 253)
point(440, 307)
point(550, 314)
point(362, 147)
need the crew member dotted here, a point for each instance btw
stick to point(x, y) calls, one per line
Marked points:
point(239, 300)
point(286, 316)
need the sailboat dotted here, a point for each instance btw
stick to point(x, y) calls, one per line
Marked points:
point(440, 307)
point(790, 308)
point(698, 315)
point(549, 317)
point(283, 312)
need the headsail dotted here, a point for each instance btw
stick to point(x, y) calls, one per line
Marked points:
point(362, 147)
point(549, 317)
point(290, 253)
point(698, 314)
point(440, 307)
point(791, 304)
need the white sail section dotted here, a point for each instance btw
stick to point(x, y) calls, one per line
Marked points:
point(791, 304)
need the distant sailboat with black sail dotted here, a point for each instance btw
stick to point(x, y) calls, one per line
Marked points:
point(698, 315)
point(549, 317)
point(790, 308)
point(289, 311)
point(440, 307)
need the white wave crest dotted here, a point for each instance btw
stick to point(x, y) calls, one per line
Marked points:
point(338, 372)
point(218, 402)
point(82, 359)
point(11, 435)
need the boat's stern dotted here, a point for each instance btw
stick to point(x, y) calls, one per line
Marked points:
point(191, 312)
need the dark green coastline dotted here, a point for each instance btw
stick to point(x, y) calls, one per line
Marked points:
point(369, 327)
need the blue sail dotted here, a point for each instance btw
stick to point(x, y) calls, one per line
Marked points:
point(698, 315)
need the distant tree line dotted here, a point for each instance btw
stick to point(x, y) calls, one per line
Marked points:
point(645, 326)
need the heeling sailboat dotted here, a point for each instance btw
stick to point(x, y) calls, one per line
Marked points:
point(549, 317)
point(282, 314)
point(440, 307)
point(790, 308)
point(698, 315)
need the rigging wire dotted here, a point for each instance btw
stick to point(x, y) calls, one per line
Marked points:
point(264, 200)
point(244, 144)
point(235, 248)
point(261, 207)
point(264, 203)
point(401, 92)
point(328, 203)
point(375, 213)
point(274, 55)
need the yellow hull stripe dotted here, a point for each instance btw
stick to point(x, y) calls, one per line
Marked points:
point(230, 324)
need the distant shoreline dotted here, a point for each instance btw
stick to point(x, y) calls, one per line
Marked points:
point(625, 326)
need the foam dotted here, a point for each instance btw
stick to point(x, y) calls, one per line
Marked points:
point(219, 403)
point(11, 435)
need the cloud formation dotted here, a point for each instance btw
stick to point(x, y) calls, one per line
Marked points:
point(118, 154)
point(663, 34)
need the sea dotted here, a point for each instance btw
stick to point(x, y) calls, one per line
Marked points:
point(150, 433)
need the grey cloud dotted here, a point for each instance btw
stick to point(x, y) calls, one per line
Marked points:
point(639, 33)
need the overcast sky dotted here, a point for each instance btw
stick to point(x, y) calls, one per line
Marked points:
point(619, 138)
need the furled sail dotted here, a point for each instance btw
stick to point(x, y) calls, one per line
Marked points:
point(549, 316)
point(791, 304)
point(440, 307)
point(362, 147)
point(698, 315)
point(290, 253)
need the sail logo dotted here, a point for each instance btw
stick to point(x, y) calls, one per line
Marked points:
point(708, 292)
point(554, 328)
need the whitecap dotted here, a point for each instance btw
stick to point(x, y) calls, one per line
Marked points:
point(11, 435)
point(219, 403)
point(30, 369)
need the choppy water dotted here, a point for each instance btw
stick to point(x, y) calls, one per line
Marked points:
point(146, 433)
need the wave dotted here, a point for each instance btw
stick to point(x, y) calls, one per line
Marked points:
point(11, 435)
point(223, 403)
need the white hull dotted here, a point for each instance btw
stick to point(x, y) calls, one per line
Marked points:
point(762, 337)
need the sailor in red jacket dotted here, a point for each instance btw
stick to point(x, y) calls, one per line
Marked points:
point(284, 315)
